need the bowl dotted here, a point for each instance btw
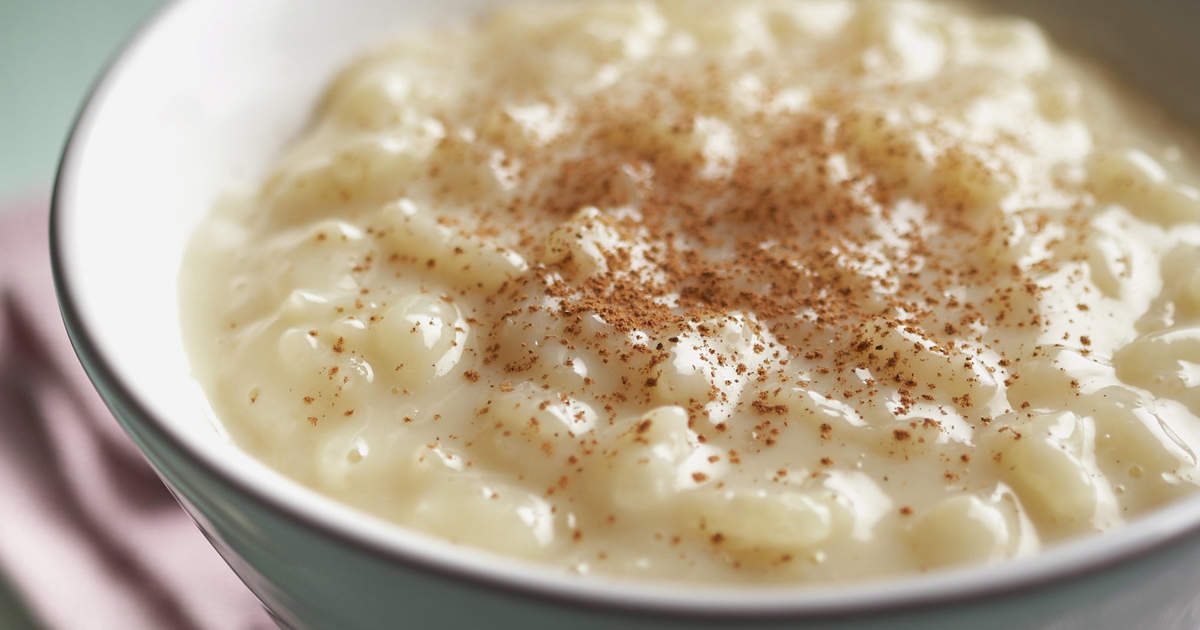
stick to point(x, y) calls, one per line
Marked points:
point(207, 94)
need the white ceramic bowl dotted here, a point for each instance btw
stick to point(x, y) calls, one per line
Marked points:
point(207, 94)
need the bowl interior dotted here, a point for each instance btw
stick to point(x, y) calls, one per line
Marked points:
point(207, 95)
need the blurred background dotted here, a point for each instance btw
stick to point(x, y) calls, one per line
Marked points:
point(50, 52)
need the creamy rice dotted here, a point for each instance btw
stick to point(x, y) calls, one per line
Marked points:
point(756, 291)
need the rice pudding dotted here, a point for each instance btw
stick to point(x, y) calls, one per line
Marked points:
point(787, 291)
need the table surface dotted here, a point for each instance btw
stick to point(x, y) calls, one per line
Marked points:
point(52, 51)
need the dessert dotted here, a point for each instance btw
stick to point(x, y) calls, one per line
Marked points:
point(786, 291)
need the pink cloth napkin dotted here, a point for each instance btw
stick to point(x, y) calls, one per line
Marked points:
point(89, 537)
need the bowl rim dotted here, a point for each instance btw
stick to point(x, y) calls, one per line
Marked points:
point(1078, 558)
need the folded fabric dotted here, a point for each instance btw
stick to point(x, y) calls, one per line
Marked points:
point(89, 537)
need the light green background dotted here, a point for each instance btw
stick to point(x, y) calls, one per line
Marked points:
point(50, 52)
